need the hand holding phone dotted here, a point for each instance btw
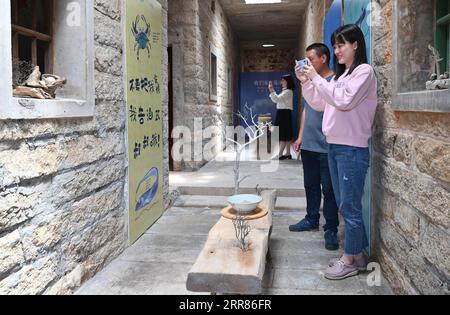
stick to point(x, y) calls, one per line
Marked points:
point(302, 63)
point(271, 87)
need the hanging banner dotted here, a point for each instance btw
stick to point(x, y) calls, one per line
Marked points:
point(333, 20)
point(143, 49)
point(254, 94)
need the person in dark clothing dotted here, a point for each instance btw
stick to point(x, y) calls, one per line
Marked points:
point(314, 153)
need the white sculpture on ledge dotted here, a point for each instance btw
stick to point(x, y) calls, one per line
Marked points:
point(254, 130)
point(437, 81)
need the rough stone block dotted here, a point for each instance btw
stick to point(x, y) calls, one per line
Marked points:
point(74, 184)
point(16, 163)
point(16, 208)
point(422, 276)
point(31, 279)
point(81, 246)
point(432, 157)
point(11, 255)
point(427, 196)
point(108, 60)
point(108, 87)
point(399, 282)
point(91, 209)
point(436, 248)
point(105, 31)
point(398, 246)
point(110, 8)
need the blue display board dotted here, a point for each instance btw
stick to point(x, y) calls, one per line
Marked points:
point(359, 12)
point(253, 92)
point(333, 20)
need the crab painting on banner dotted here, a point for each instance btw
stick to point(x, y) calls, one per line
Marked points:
point(143, 51)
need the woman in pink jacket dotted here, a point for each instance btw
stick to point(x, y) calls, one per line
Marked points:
point(349, 102)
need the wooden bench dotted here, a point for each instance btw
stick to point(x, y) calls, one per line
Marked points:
point(222, 267)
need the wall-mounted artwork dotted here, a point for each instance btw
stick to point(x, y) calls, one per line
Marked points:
point(359, 12)
point(145, 147)
point(333, 20)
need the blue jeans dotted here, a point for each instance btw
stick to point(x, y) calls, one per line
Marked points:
point(317, 173)
point(348, 169)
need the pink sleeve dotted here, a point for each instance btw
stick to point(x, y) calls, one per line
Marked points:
point(351, 93)
point(312, 96)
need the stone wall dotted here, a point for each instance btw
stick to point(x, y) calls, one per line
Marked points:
point(63, 214)
point(411, 182)
point(267, 60)
point(312, 28)
point(168, 198)
point(193, 29)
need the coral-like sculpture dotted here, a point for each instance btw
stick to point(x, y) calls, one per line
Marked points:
point(254, 130)
point(242, 230)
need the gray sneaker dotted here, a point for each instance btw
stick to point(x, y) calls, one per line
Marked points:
point(360, 263)
point(340, 270)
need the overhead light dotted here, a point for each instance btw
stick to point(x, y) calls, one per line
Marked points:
point(262, 1)
point(268, 45)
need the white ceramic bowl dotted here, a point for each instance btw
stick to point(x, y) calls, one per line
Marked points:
point(244, 204)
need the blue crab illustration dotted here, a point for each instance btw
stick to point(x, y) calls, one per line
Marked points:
point(141, 31)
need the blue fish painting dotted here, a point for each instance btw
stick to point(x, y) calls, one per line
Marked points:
point(150, 185)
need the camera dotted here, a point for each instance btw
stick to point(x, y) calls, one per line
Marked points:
point(302, 63)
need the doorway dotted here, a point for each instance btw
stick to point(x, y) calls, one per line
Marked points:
point(170, 79)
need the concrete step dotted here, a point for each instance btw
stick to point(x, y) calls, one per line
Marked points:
point(218, 202)
point(229, 191)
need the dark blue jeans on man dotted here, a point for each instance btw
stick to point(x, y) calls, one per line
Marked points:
point(317, 181)
point(348, 169)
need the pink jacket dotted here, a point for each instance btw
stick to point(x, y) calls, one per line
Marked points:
point(349, 105)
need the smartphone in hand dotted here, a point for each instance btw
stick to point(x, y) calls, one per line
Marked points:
point(302, 63)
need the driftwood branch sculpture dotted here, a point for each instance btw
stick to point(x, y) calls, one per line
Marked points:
point(254, 130)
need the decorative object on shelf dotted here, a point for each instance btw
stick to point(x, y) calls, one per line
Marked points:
point(437, 81)
point(37, 85)
point(265, 118)
point(244, 204)
point(438, 84)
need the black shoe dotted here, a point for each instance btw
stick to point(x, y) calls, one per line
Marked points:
point(304, 226)
point(285, 157)
point(331, 241)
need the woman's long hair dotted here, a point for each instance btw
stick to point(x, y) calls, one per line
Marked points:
point(349, 33)
point(290, 82)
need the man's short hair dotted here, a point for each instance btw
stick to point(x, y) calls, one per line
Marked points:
point(321, 49)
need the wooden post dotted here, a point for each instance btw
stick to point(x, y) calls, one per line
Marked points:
point(49, 8)
point(15, 35)
point(34, 60)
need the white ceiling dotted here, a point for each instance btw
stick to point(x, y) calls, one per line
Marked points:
point(265, 21)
